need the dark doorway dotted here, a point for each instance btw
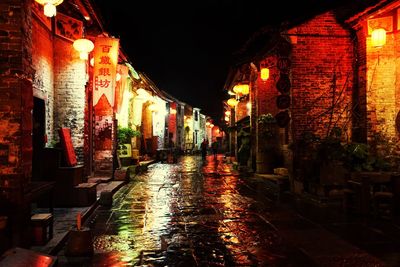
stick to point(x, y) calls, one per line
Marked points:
point(38, 136)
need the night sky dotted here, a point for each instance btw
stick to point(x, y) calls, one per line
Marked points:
point(186, 47)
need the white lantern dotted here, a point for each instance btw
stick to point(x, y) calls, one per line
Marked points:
point(49, 6)
point(84, 47)
point(378, 37)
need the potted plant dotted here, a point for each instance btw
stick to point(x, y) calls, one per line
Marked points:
point(124, 136)
point(330, 157)
point(267, 154)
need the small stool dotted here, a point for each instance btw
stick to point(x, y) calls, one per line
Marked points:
point(42, 228)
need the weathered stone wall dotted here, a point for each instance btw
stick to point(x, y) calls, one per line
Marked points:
point(69, 82)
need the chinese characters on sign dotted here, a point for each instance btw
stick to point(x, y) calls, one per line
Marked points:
point(105, 67)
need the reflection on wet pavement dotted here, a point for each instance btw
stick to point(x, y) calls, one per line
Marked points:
point(192, 213)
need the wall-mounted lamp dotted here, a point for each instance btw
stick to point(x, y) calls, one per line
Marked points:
point(264, 74)
point(378, 37)
point(49, 6)
point(84, 47)
point(232, 102)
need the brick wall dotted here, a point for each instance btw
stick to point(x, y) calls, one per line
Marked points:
point(16, 99)
point(322, 76)
point(266, 93)
point(382, 90)
point(69, 83)
point(42, 61)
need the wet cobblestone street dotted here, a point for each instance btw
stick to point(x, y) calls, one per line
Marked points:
point(197, 213)
point(186, 214)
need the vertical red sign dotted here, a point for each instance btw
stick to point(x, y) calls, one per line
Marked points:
point(105, 68)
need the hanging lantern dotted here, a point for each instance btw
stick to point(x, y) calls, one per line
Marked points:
point(49, 6)
point(172, 111)
point(211, 125)
point(378, 37)
point(84, 47)
point(264, 74)
point(232, 102)
point(226, 118)
point(245, 89)
point(153, 107)
point(237, 89)
point(228, 113)
point(208, 123)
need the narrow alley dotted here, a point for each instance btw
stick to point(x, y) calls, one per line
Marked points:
point(197, 213)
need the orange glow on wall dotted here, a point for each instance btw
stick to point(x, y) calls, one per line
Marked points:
point(378, 37)
point(264, 74)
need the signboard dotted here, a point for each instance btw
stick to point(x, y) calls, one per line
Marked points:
point(70, 156)
point(67, 27)
point(105, 68)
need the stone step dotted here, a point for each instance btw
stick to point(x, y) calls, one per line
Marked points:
point(99, 179)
